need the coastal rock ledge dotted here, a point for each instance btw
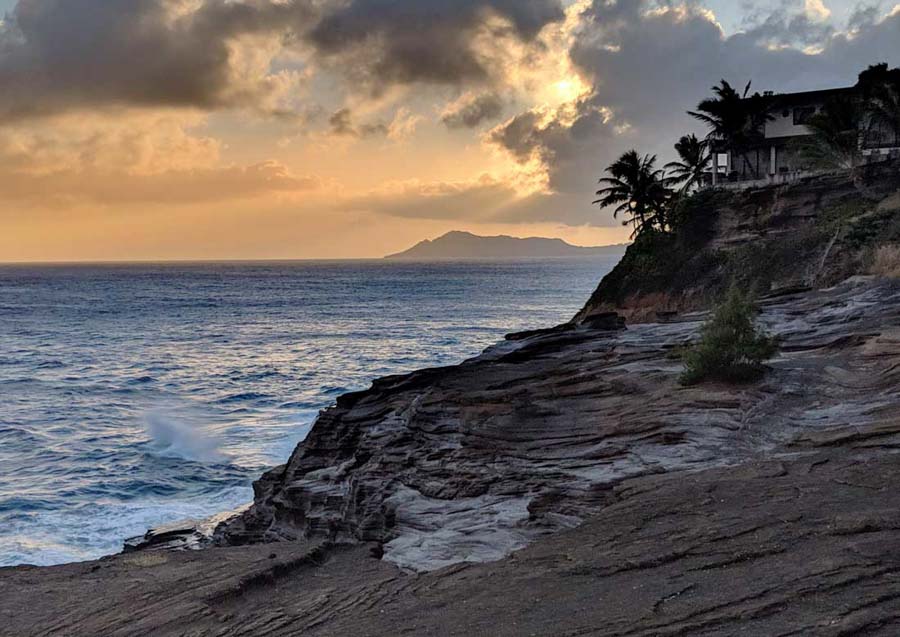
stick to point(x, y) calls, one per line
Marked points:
point(472, 462)
point(767, 509)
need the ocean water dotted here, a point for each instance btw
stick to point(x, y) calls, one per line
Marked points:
point(137, 395)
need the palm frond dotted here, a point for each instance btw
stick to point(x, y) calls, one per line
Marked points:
point(636, 187)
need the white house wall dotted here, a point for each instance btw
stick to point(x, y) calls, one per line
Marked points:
point(783, 125)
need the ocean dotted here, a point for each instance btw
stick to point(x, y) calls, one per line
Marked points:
point(138, 395)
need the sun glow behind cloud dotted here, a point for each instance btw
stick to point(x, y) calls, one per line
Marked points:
point(178, 128)
point(817, 11)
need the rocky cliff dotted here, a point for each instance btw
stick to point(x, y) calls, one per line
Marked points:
point(812, 233)
point(471, 462)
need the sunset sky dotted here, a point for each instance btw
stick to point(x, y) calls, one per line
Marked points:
point(213, 129)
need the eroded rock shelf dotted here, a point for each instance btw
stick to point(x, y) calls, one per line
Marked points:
point(560, 484)
point(472, 462)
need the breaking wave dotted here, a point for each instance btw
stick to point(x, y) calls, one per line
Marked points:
point(174, 435)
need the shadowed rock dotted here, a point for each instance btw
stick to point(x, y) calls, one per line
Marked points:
point(471, 462)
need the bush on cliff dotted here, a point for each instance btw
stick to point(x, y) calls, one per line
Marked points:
point(731, 347)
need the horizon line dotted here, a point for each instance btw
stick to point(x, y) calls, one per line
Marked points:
point(239, 260)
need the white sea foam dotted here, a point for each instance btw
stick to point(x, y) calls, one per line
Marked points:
point(182, 435)
point(101, 529)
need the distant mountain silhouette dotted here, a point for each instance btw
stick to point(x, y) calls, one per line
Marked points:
point(465, 245)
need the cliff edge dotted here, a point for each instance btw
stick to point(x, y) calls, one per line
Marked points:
point(808, 234)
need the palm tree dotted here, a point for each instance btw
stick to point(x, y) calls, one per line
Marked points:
point(736, 119)
point(636, 188)
point(880, 89)
point(695, 160)
point(723, 113)
point(884, 108)
point(833, 143)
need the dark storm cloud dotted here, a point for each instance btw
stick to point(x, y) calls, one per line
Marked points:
point(406, 41)
point(473, 112)
point(649, 67)
point(58, 55)
point(342, 125)
point(521, 136)
point(62, 54)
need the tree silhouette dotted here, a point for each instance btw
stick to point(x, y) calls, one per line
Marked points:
point(833, 142)
point(736, 119)
point(880, 90)
point(637, 189)
point(694, 161)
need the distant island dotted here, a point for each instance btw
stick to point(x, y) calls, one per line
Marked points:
point(465, 245)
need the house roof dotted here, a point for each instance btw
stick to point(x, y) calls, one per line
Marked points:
point(805, 97)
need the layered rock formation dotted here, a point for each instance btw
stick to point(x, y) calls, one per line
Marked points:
point(799, 546)
point(471, 462)
point(767, 509)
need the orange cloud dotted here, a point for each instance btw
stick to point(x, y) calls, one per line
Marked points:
point(172, 187)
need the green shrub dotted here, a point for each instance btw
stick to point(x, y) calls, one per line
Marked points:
point(840, 215)
point(731, 348)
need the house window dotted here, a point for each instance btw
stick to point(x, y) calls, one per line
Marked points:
point(802, 114)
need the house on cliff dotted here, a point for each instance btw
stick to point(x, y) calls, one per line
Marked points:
point(774, 156)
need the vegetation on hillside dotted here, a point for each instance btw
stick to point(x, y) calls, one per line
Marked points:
point(657, 261)
point(731, 347)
